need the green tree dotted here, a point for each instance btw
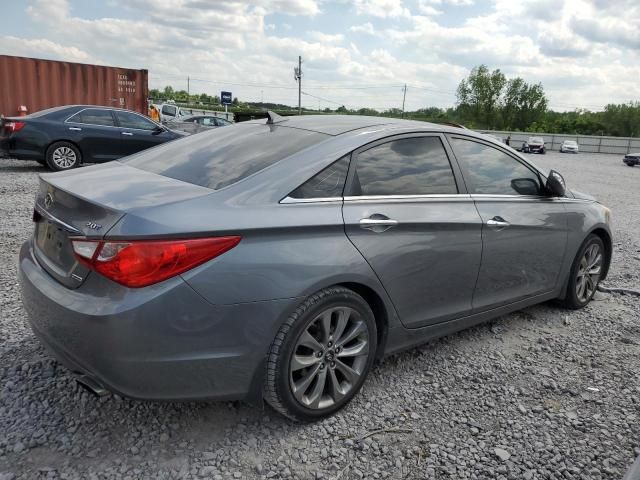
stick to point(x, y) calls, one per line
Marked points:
point(168, 92)
point(479, 94)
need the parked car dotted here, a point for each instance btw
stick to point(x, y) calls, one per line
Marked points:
point(569, 146)
point(169, 111)
point(280, 260)
point(65, 137)
point(534, 145)
point(197, 123)
point(632, 159)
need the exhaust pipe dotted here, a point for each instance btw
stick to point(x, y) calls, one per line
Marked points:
point(91, 385)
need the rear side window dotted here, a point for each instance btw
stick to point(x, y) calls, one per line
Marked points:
point(488, 170)
point(222, 156)
point(94, 116)
point(328, 183)
point(131, 120)
point(409, 166)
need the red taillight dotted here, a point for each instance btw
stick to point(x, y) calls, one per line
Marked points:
point(141, 263)
point(14, 127)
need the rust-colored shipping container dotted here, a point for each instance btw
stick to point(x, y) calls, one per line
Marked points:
point(39, 84)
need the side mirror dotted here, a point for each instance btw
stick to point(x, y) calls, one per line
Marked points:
point(525, 186)
point(556, 184)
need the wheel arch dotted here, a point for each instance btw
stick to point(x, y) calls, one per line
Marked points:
point(379, 310)
point(605, 236)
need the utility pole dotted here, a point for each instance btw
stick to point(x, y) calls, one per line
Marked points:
point(297, 74)
point(404, 96)
point(188, 90)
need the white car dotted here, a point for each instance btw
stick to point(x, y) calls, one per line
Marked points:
point(569, 146)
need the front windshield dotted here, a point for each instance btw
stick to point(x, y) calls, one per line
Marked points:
point(535, 140)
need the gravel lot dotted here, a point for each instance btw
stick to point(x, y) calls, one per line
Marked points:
point(541, 393)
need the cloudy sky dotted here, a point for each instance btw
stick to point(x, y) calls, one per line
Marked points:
point(355, 52)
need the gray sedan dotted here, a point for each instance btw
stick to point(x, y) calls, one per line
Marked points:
point(197, 123)
point(279, 260)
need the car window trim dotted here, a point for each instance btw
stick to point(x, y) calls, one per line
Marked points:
point(455, 169)
point(113, 116)
point(509, 152)
point(68, 120)
point(374, 198)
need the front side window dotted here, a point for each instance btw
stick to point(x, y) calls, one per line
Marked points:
point(94, 116)
point(408, 166)
point(326, 184)
point(132, 120)
point(488, 170)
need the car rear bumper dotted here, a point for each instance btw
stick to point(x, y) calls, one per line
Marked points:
point(631, 161)
point(163, 342)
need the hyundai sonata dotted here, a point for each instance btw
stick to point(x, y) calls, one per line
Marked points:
point(279, 260)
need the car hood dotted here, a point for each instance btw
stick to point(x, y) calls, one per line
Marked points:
point(583, 196)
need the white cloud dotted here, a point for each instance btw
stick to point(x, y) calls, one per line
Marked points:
point(364, 28)
point(45, 48)
point(381, 8)
point(326, 37)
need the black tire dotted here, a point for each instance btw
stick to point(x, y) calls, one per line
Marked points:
point(572, 299)
point(279, 379)
point(63, 156)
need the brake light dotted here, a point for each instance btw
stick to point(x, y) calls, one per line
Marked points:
point(14, 127)
point(142, 263)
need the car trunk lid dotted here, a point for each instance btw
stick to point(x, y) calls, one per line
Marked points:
point(87, 203)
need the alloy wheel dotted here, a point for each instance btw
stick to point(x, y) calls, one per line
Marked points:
point(589, 271)
point(64, 157)
point(329, 358)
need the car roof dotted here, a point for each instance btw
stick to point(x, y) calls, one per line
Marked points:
point(339, 124)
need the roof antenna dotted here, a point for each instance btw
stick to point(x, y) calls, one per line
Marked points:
point(274, 118)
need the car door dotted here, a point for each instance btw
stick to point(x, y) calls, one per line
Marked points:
point(138, 132)
point(524, 231)
point(95, 133)
point(411, 219)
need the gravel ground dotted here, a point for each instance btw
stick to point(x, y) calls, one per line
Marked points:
point(542, 393)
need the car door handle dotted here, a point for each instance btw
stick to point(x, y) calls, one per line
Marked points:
point(498, 223)
point(75, 129)
point(129, 134)
point(379, 224)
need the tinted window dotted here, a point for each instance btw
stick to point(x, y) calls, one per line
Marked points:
point(487, 170)
point(94, 116)
point(222, 123)
point(224, 155)
point(132, 120)
point(168, 110)
point(328, 183)
point(207, 121)
point(410, 166)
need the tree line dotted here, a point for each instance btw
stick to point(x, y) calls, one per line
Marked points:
point(485, 99)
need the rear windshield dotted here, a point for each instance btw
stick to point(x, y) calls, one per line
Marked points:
point(223, 156)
